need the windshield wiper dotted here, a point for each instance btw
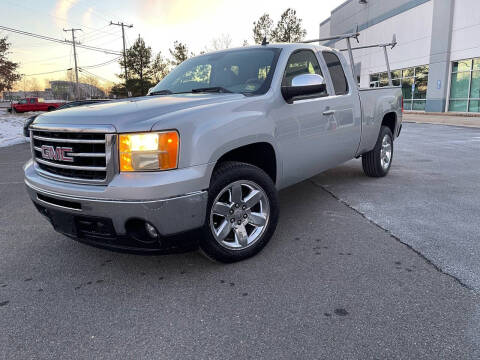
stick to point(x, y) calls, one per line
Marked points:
point(217, 89)
point(161, 92)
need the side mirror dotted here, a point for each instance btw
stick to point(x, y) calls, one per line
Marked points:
point(150, 90)
point(304, 86)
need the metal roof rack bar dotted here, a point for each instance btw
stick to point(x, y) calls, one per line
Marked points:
point(391, 44)
point(347, 37)
point(353, 35)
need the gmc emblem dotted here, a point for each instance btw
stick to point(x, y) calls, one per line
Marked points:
point(58, 153)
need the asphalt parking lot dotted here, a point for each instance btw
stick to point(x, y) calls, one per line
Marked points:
point(359, 268)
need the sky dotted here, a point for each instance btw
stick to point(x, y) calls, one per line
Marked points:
point(159, 22)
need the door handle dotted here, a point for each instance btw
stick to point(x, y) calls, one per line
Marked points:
point(329, 112)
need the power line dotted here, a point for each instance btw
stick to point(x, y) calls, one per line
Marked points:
point(41, 61)
point(80, 68)
point(48, 72)
point(101, 64)
point(36, 9)
point(65, 42)
point(90, 73)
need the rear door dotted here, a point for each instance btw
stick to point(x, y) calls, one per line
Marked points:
point(343, 113)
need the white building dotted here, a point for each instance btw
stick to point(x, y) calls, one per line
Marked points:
point(437, 59)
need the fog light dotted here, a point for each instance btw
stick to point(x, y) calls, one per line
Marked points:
point(151, 231)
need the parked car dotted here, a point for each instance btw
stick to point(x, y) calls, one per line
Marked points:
point(35, 104)
point(209, 148)
point(29, 121)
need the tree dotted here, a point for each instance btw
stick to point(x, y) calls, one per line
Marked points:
point(106, 87)
point(160, 68)
point(139, 57)
point(89, 79)
point(289, 28)
point(179, 53)
point(118, 90)
point(32, 85)
point(224, 41)
point(8, 69)
point(262, 28)
point(135, 86)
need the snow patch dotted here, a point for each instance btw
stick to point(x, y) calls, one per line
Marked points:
point(11, 127)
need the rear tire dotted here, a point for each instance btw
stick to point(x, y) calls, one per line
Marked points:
point(377, 162)
point(242, 212)
point(50, 108)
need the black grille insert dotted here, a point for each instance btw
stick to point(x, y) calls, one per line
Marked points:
point(63, 203)
point(88, 151)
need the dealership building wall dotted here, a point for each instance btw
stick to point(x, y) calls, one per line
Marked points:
point(437, 58)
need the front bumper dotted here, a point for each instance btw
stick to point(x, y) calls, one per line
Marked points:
point(67, 205)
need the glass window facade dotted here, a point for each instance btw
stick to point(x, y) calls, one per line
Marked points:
point(465, 86)
point(413, 81)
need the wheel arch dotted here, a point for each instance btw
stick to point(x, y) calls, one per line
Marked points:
point(390, 120)
point(261, 154)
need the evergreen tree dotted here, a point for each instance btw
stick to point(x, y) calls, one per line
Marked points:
point(8, 69)
point(289, 28)
point(262, 28)
point(139, 57)
point(160, 68)
point(179, 53)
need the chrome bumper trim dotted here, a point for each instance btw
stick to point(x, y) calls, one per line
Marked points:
point(74, 128)
point(78, 198)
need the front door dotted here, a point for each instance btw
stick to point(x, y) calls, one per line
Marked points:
point(308, 131)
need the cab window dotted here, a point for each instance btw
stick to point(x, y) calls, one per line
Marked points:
point(340, 84)
point(301, 62)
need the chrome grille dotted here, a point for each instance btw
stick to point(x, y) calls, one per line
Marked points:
point(82, 155)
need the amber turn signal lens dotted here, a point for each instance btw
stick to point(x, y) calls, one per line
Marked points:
point(148, 151)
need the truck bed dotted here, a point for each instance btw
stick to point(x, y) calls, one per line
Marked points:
point(376, 102)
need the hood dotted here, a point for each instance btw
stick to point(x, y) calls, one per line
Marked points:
point(136, 114)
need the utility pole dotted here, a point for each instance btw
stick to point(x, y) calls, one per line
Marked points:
point(77, 94)
point(124, 50)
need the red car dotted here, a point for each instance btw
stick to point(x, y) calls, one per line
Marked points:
point(34, 104)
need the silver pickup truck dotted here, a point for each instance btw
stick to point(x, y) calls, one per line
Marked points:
point(208, 149)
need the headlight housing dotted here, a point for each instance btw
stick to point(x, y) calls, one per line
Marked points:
point(150, 151)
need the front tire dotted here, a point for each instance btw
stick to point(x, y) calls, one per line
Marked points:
point(377, 162)
point(242, 212)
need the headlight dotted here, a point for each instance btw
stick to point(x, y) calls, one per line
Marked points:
point(148, 151)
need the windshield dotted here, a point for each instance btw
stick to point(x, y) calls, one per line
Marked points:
point(243, 71)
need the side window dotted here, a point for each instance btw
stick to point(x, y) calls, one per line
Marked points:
point(301, 62)
point(337, 74)
point(32, 101)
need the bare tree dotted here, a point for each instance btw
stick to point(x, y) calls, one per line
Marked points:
point(224, 41)
point(32, 85)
